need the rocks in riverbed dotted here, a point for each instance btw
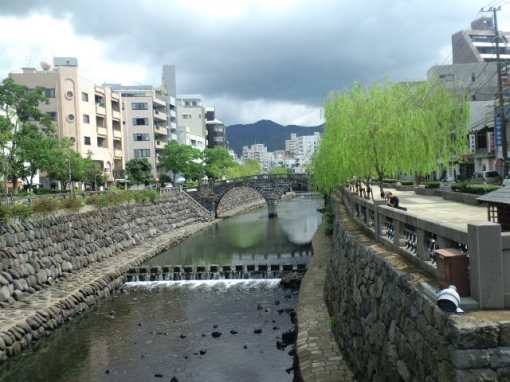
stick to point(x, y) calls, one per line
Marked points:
point(291, 280)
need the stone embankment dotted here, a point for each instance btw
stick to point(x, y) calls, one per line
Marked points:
point(388, 330)
point(56, 267)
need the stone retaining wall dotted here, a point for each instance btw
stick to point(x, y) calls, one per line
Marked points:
point(389, 331)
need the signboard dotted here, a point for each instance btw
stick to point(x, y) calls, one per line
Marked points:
point(490, 137)
point(497, 131)
point(472, 145)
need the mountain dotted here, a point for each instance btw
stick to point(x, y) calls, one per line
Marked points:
point(270, 133)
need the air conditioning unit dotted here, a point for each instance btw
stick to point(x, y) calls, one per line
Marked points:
point(453, 269)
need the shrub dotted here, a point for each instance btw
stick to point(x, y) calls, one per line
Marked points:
point(17, 209)
point(390, 180)
point(432, 184)
point(100, 200)
point(72, 204)
point(42, 205)
point(407, 182)
point(477, 189)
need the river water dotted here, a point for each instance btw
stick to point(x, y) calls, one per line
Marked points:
point(211, 330)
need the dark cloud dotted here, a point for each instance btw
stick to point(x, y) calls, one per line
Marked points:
point(297, 56)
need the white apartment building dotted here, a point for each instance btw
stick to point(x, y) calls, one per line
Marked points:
point(170, 94)
point(146, 124)
point(81, 110)
point(257, 151)
point(185, 137)
point(190, 118)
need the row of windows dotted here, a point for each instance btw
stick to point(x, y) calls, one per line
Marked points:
point(100, 142)
point(139, 106)
point(141, 137)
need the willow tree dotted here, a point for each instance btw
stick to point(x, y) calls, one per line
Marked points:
point(387, 129)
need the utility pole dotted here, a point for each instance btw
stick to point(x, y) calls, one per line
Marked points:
point(500, 92)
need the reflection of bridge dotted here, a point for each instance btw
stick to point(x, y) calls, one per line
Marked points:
point(270, 187)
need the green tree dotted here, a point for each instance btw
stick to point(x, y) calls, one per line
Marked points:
point(177, 158)
point(67, 166)
point(164, 179)
point(279, 170)
point(139, 170)
point(251, 167)
point(93, 172)
point(217, 161)
point(389, 129)
point(19, 115)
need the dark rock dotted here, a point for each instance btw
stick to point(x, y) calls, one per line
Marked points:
point(259, 307)
point(182, 336)
point(174, 379)
point(233, 331)
point(257, 330)
point(277, 302)
point(280, 345)
point(216, 334)
point(158, 375)
point(202, 352)
point(289, 337)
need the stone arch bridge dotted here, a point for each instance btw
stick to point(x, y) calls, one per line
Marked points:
point(270, 187)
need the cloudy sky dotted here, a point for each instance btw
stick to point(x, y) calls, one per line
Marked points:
point(250, 59)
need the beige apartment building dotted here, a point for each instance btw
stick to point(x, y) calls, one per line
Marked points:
point(87, 113)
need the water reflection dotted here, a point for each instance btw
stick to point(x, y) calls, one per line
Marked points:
point(252, 238)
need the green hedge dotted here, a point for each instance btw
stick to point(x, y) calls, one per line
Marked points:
point(407, 182)
point(390, 180)
point(477, 189)
point(432, 184)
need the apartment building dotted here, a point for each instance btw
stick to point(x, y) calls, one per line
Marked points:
point(169, 83)
point(86, 113)
point(259, 152)
point(146, 123)
point(191, 120)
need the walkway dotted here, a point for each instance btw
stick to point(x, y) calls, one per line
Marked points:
point(319, 356)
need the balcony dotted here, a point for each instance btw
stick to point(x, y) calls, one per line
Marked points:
point(160, 144)
point(117, 133)
point(119, 174)
point(115, 114)
point(101, 131)
point(159, 115)
point(100, 109)
point(173, 114)
point(118, 153)
point(173, 126)
point(161, 130)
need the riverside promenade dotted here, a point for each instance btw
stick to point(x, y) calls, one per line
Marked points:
point(320, 358)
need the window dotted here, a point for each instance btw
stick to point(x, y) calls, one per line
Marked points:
point(218, 139)
point(70, 117)
point(53, 115)
point(84, 97)
point(473, 77)
point(87, 141)
point(142, 153)
point(140, 121)
point(141, 137)
point(49, 93)
point(69, 94)
point(86, 118)
point(218, 129)
point(186, 116)
point(139, 106)
point(447, 77)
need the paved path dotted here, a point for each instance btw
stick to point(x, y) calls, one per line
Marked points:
point(320, 358)
point(436, 208)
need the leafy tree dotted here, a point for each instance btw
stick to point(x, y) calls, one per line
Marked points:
point(388, 129)
point(279, 170)
point(19, 116)
point(251, 167)
point(67, 166)
point(139, 170)
point(93, 172)
point(217, 161)
point(164, 179)
point(177, 158)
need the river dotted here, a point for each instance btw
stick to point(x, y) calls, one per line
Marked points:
point(211, 330)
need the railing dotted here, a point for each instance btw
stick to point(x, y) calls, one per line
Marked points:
point(119, 174)
point(415, 238)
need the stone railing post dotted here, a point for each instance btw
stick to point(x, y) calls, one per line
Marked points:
point(486, 280)
point(378, 223)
